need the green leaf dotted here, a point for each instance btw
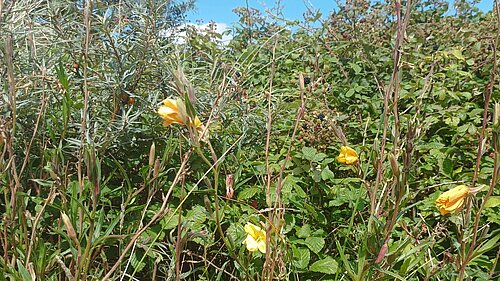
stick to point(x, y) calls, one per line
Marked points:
point(197, 214)
point(492, 202)
point(304, 231)
point(309, 153)
point(191, 112)
point(458, 54)
point(315, 244)
point(487, 246)
point(327, 174)
point(319, 157)
point(349, 93)
point(62, 76)
point(23, 271)
point(248, 193)
point(447, 167)
point(136, 262)
point(327, 266)
point(355, 67)
point(316, 176)
point(301, 257)
point(300, 192)
point(235, 233)
point(393, 274)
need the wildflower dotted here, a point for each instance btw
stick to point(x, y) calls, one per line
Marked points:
point(174, 112)
point(452, 200)
point(347, 156)
point(256, 238)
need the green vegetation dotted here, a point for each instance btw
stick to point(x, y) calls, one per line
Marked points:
point(94, 187)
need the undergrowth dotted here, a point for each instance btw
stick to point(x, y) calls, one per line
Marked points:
point(299, 150)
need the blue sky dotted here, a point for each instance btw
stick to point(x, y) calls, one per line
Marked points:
point(221, 10)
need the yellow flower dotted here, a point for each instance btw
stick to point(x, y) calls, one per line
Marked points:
point(347, 156)
point(256, 238)
point(452, 200)
point(174, 112)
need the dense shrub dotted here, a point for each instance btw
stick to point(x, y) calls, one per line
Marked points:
point(94, 187)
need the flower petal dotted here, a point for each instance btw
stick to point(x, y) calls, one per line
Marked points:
point(347, 156)
point(341, 158)
point(252, 230)
point(170, 103)
point(452, 200)
point(251, 243)
point(451, 208)
point(351, 159)
point(262, 246)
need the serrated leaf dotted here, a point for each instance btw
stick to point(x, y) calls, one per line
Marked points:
point(197, 214)
point(309, 153)
point(235, 233)
point(304, 231)
point(301, 257)
point(315, 244)
point(136, 263)
point(247, 193)
point(327, 266)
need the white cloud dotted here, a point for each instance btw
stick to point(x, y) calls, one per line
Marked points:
point(179, 33)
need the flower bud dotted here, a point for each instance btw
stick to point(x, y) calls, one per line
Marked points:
point(152, 154)
point(69, 226)
point(452, 200)
point(229, 186)
point(496, 114)
point(394, 165)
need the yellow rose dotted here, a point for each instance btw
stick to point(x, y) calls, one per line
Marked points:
point(174, 112)
point(452, 200)
point(347, 156)
point(256, 238)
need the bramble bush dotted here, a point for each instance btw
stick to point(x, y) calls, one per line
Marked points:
point(364, 146)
